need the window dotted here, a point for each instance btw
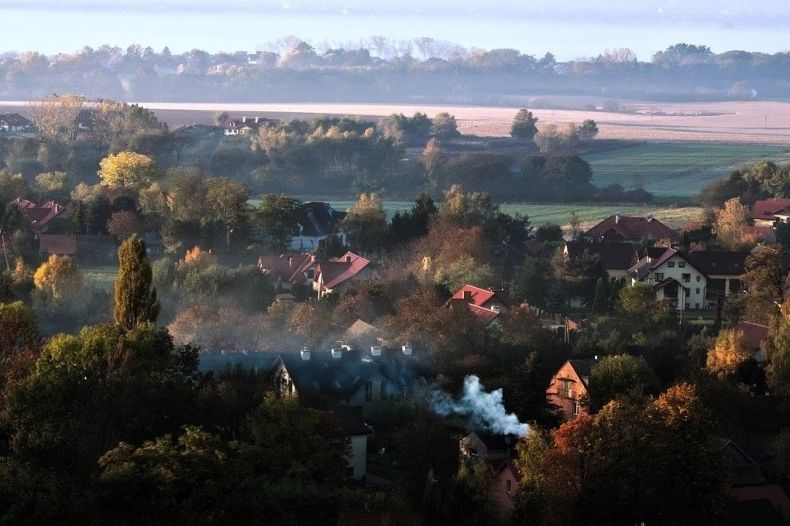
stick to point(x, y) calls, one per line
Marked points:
point(659, 276)
point(383, 389)
point(567, 388)
point(681, 264)
point(696, 305)
point(575, 408)
point(697, 291)
point(507, 487)
point(671, 264)
point(686, 278)
point(698, 278)
point(368, 391)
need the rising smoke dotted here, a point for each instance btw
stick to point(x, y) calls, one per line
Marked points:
point(485, 409)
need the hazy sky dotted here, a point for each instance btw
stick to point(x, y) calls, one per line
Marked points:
point(568, 28)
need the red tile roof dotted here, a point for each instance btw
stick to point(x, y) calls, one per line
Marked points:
point(631, 228)
point(337, 271)
point(753, 333)
point(483, 315)
point(768, 208)
point(39, 215)
point(285, 267)
point(479, 296)
point(58, 244)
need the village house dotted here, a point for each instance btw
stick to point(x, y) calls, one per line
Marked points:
point(57, 245)
point(766, 212)
point(485, 305)
point(632, 229)
point(478, 446)
point(335, 275)
point(316, 224)
point(14, 123)
point(505, 488)
point(568, 387)
point(246, 125)
point(287, 270)
point(42, 217)
point(355, 378)
point(616, 258)
point(672, 277)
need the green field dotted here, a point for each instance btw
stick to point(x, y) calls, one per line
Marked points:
point(676, 170)
point(102, 277)
point(560, 214)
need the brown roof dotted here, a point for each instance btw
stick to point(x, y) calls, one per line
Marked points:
point(631, 228)
point(613, 256)
point(39, 215)
point(58, 244)
point(337, 271)
point(753, 333)
point(13, 119)
point(286, 267)
point(378, 518)
point(768, 208)
point(718, 262)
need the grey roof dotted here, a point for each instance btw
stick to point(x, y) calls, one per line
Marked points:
point(718, 262)
point(318, 219)
point(341, 377)
point(614, 256)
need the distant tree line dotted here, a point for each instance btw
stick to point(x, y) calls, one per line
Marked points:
point(382, 70)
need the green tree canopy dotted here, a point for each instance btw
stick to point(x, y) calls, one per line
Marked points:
point(135, 299)
point(524, 125)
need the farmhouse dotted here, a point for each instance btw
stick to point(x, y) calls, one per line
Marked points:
point(246, 125)
point(14, 123)
point(632, 229)
point(40, 216)
point(568, 387)
point(616, 258)
point(315, 224)
point(287, 270)
point(335, 275)
point(767, 211)
point(485, 305)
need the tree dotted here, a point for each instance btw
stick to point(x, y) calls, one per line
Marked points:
point(18, 330)
point(366, 223)
point(126, 170)
point(444, 126)
point(52, 182)
point(220, 117)
point(135, 299)
point(615, 376)
point(59, 279)
point(638, 303)
point(778, 354)
point(524, 125)
point(731, 223)
point(600, 303)
point(123, 224)
point(275, 219)
point(588, 129)
point(764, 282)
point(57, 117)
point(729, 353)
point(553, 139)
point(432, 162)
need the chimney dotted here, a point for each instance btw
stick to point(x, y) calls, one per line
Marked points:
point(467, 296)
point(244, 119)
point(616, 218)
point(305, 353)
point(336, 353)
point(406, 349)
point(348, 259)
point(375, 350)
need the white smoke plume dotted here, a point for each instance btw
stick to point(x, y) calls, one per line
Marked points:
point(485, 409)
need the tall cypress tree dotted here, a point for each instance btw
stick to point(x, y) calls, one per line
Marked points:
point(135, 299)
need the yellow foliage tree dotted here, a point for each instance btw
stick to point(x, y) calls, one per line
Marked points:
point(730, 225)
point(728, 354)
point(126, 169)
point(58, 279)
point(197, 257)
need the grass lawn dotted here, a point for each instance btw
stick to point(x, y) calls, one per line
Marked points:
point(103, 277)
point(676, 170)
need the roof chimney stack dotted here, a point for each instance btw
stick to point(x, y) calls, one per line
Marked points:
point(305, 353)
point(336, 353)
point(617, 219)
point(375, 350)
point(406, 349)
point(244, 119)
point(467, 295)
